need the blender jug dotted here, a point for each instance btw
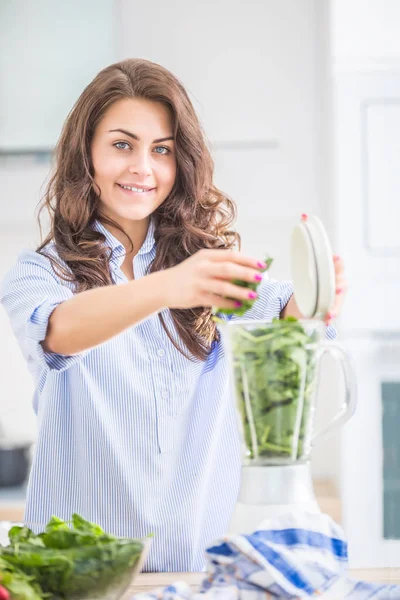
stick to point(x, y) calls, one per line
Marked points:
point(274, 370)
point(274, 375)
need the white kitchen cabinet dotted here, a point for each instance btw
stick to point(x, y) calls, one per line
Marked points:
point(48, 53)
point(367, 211)
point(367, 207)
point(370, 454)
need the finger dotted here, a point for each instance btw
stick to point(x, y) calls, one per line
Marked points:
point(235, 257)
point(341, 286)
point(329, 317)
point(231, 271)
point(230, 290)
point(338, 264)
point(215, 301)
point(335, 309)
point(340, 290)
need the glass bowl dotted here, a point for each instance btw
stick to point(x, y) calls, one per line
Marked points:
point(101, 572)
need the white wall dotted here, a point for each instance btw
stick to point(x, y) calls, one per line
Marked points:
point(365, 33)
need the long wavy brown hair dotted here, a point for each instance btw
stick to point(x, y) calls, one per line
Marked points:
point(195, 215)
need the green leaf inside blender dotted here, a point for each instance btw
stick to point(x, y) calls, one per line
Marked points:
point(275, 378)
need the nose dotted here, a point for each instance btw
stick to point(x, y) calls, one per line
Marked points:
point(140, 164)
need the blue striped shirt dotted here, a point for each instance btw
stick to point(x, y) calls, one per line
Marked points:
point(131, 434)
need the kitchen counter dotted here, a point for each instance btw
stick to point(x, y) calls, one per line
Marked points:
point(148, 581)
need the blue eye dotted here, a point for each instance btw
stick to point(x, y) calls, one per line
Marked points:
point(166, 150)
point(120, 145)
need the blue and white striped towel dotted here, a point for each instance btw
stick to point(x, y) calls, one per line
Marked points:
point(300, 555)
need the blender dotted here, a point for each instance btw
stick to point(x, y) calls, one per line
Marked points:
point(275, 370)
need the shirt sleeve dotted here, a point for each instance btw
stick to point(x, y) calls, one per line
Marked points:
point(272, 298)
point(30, 292)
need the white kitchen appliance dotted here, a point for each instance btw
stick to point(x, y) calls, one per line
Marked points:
point(274, 376)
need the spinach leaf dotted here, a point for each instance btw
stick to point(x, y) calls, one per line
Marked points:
point(19, 534)
point(20, 586)
point(246, 304)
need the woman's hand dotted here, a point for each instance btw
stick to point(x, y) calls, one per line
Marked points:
point(205, 279)
point(291, 309)
point(341, 288)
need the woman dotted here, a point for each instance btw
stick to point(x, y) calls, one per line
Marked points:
point(137, 429)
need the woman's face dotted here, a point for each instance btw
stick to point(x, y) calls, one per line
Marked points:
point(134, 159)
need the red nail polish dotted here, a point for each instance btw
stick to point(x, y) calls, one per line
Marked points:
point(252, 295)
point(237, 303)
point(304, 217)
point(258, 277)
point(339, 290)
point(336, 258)
point(329, 317)
point(261, 265)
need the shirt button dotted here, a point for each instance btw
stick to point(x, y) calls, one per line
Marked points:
point(165, 394)
point(160, 352)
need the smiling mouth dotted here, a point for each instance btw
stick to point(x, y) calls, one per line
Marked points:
point(136, 190)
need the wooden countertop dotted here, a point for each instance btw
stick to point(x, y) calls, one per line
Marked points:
point(145, 582)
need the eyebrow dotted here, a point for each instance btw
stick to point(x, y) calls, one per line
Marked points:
point(135, 137)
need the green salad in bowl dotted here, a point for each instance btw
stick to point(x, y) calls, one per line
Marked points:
point(68, 560)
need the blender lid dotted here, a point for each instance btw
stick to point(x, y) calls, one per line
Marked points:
point(313, 271)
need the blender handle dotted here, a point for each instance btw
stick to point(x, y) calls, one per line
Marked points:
point(350, 400)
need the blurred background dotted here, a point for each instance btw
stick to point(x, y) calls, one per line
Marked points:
point(300, 101)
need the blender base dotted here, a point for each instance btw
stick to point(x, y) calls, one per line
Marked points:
point(268, 491)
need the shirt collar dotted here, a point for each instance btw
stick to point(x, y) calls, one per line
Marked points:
point(118, 249)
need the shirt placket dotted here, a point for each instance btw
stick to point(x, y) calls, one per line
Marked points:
point(162, 374)
point(163, 385)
